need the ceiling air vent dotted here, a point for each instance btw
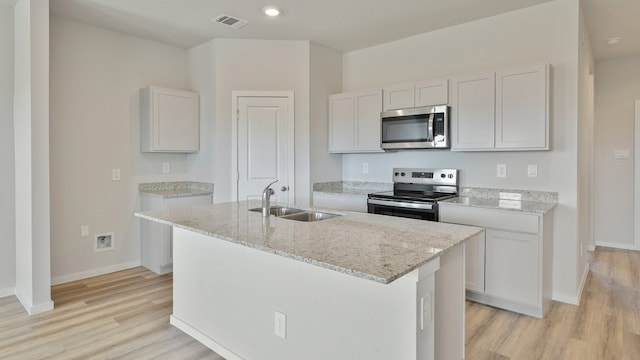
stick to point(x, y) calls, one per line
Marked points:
point(231, 21)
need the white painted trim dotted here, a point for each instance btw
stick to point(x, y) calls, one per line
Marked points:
point(591, 247)
point(618, 245)
point(7, 292)
point(585, 275)
point(34, 309)
point(234, 136)
point(573, 300)
point(636, 207)
point(204, 339)
point(94, 272)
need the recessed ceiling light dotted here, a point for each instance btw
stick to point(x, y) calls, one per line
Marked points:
point(272, 11)
point(612, 40)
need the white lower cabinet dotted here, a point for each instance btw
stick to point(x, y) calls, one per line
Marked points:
point(510, 267)
point(340, 202)
point(157, 239)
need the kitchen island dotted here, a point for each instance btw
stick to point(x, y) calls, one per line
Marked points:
point(356, 286)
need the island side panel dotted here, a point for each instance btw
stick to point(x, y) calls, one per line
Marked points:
point(228, 294)
point(450, 305)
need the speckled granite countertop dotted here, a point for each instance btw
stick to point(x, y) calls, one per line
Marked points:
point(176, 188)
point(374, 247)
point(354, 188)
point(531, 201)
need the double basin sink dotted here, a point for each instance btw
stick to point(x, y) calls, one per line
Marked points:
point(297, 214)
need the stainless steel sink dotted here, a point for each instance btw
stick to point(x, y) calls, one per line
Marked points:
point(310, 216)
point(279, 210)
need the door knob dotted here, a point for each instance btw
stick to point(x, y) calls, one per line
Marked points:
point(284, 188)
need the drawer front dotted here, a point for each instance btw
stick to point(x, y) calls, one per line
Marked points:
point(488, 218)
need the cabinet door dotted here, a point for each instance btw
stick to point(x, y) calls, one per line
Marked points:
point(170, 120)
point(341, 122)
point(432, 92)
point(474, 263)
point(367, 117)
point(340, 202)
point(473, 112)
point(399, 96)
point(522, 111)
point(511, 266)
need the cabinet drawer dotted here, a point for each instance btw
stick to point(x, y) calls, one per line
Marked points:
point(487, 218)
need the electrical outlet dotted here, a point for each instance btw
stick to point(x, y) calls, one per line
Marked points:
point(280, 324)
point(510, 196)
point(166, 167)
point(84, 231)
point(532, 170)
point(365, 168)
point(501, 171)
point(115, 174)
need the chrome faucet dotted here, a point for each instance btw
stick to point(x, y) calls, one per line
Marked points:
point(266, 199)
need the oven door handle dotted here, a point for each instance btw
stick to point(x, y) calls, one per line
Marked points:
point(401, 204)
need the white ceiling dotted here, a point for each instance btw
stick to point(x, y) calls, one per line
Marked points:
point(341, 24)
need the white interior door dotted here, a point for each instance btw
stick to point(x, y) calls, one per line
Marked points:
point(264, 144)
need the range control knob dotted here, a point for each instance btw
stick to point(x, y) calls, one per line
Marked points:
point(397, 173)
point(450, 176)
point(443, 175)
point(402, 174)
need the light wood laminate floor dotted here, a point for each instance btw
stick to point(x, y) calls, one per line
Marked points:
point(125, 315)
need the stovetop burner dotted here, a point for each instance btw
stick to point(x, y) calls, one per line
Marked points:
point(412, 196)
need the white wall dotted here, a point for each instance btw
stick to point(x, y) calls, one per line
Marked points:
point(7, 180)
point(544, 33)
point(31, 139)
point(251, 65)
point(95, 78)
point(617, 86)
point(325, 79)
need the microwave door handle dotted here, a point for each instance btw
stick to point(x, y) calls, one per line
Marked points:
point(430, 136)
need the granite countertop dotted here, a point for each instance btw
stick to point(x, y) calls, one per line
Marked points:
point(531, 201)
point(374, 247)
point(176, 189)
point(353, 188)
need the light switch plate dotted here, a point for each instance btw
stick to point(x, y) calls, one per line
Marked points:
point(532, 170)
point(166, 167)
point(115, 174)
point(365, 168)
point(280, 320)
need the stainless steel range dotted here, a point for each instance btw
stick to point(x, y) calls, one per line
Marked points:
point(416, 193)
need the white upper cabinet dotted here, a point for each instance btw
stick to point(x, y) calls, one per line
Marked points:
point(473, 112)
point(354, 121)
point(503, 110)
point(341, 122)
point(522, 108)
point(169, 120)
point(399, 96)
point(423, 93)
point(432, 92)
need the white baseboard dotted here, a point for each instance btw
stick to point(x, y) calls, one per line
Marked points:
point(591, 247)
point(34, 309)
point(204, 339)
point(585, 274)
point(618, 246)
point(7, 292)
point(94, 272)
point(567, 299)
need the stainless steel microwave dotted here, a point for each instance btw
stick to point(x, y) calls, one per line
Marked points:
point(415, 128)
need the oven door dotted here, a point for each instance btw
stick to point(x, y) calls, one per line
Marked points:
point(413, 210)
